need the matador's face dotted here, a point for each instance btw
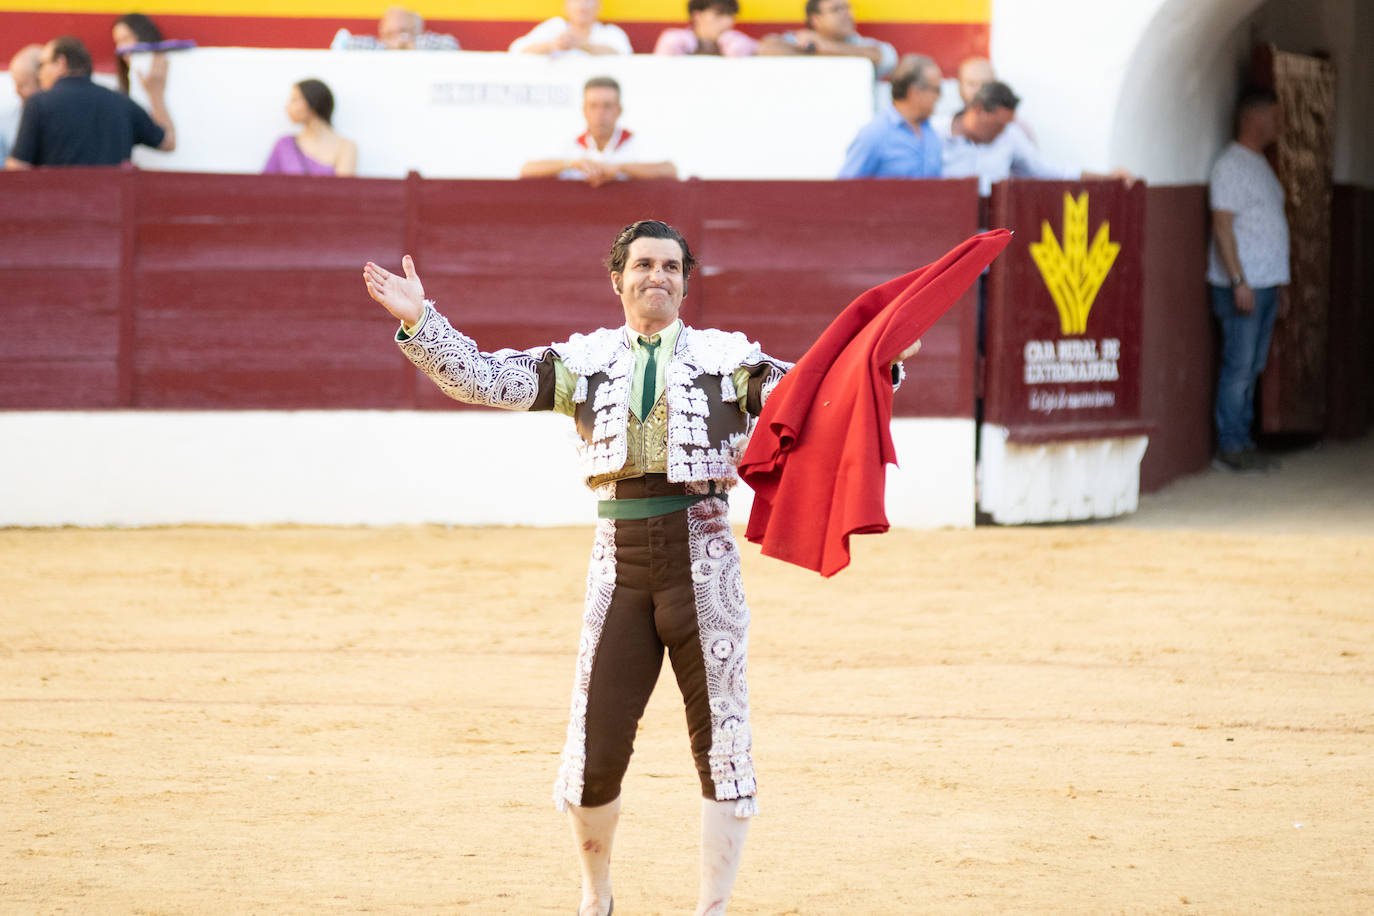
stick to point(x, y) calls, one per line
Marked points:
point(651, 286)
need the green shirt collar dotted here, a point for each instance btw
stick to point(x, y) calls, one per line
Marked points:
point(667, 337)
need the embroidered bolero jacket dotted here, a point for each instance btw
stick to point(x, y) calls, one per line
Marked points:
point(707, 426)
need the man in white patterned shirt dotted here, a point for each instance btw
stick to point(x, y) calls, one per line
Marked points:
point(400, 29)
point(1247, 270)
point(985, 143)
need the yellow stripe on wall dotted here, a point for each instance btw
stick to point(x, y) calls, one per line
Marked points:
point(893, 11)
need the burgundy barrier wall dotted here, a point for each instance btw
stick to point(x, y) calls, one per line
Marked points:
point(176, 290)
point(166, 290)
point(1350, 382)
point(1179, 336)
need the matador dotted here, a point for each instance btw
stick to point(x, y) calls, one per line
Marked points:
point(663, 412)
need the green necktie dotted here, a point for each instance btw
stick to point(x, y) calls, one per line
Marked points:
point(646, 401)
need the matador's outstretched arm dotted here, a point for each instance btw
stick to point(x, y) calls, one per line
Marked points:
point(403, 297)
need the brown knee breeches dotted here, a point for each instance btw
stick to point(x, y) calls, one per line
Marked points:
point(671, 582)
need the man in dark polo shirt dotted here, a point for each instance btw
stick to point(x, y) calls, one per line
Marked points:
point(73, 121)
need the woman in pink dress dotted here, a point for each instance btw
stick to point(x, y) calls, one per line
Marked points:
point(317, 149)
point(711, 30)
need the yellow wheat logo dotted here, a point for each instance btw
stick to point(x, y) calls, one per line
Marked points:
point(1074, 273)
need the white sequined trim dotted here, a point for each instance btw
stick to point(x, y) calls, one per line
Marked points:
point(723, 627)
point(728, 393)
point(692, 456)
point(504, 378)
point(588, 354)
point(567, 789)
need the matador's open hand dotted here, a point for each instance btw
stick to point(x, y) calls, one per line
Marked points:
point(908, 352)
point(403, 297)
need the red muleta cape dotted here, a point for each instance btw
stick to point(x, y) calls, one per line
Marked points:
point(817, 459)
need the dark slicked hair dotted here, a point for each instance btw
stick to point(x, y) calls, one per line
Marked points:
point(649, 229)
point(730, 7)
point(318, 98)
point(994, 95)
point(70, 49)
point(1253, 98)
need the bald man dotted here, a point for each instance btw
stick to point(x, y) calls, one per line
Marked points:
point(24, 70)
point(24, 74)
point(974, 73)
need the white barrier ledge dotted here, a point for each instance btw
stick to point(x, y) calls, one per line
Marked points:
point(138, 468)
point(1057, 481)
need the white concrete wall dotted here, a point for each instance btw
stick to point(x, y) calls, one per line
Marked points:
point(1140, 84)
point(133, 468)
point(1174, 111)
point(481, 115)
point(1149, 85)
point(1067, 59)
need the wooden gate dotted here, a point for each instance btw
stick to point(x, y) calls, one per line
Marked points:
point(1294, 387)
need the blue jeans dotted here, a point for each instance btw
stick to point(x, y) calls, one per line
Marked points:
point(1244, 348)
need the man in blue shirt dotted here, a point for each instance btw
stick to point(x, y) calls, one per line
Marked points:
point(900, 142)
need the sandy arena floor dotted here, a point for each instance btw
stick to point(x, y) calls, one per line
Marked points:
point(1091, 719)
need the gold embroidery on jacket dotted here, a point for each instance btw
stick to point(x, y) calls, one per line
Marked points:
point(646, 446)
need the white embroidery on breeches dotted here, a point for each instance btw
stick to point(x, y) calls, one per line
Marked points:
point(567, 790)
point(723, 625)
point(723, 630)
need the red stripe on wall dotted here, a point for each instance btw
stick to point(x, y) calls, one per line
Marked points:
point(947, 43)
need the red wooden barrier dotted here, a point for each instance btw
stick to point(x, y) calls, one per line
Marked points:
point(1350, 385)
point(1179, 365)
point(61, 257)
point(161, 290)
point(176, 290)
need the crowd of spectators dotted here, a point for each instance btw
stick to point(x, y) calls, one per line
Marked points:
point(64, 111)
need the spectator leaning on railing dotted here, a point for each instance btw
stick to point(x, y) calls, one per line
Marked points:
point(830, 31)
point(578, 33)
point(980, 146)
point(75, 122)
point(973, 74)
point(900, 142)
point(606, 151)
point(399, 29)
point(711, 30)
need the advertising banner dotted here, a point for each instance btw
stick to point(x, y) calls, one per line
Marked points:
point(1063, 320)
